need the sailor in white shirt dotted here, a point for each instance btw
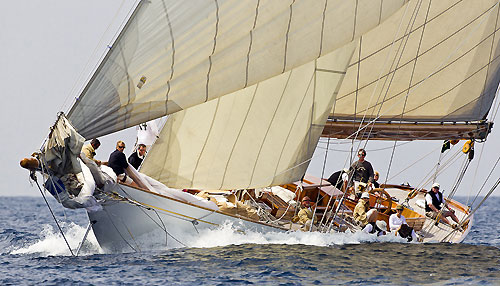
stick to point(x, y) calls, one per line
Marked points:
point(397, 220)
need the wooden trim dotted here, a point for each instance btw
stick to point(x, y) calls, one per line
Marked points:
point(407, 131)
point(193, 205)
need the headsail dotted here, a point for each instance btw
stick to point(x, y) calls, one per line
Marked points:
point(176, 54)
point(432, 61)
point(263, 135)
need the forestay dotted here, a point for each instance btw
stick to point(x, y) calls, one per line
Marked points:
point(263, 135)
point(172, 55)
point(443, 65)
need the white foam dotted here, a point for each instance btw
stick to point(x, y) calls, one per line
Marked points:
point(52, 242)
point(229, 235)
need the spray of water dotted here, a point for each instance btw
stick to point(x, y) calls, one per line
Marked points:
point(229, 235)
point(51, 242)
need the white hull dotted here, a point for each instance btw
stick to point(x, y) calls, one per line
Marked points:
point(123, 226)
point(150, 220)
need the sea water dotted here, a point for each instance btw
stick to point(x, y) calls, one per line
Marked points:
point(34, 252)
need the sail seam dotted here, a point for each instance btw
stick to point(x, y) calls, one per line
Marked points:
point(330, 71)
point(126, 106)
point(355, 19)
point(461, 82)
point(489, 58)
point(322, 30)
point(408, 62)
point(439, 70)
point(290, 132)
point(213, 49)
point(380, 11)
point(269, 127)
point(417, 28)
point(399, 51)
point(251, 41)
point(238, 136)
point(286, 37)
point(173, 55)
point(409, 83)
point(205, 143)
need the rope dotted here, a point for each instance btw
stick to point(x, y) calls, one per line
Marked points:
point(487, 178)
point(475, 175)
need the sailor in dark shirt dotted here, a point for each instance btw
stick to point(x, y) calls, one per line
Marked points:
point(338, 179)
point(118, 162)
point(135, 159)
point(361, 172)
point(434, 202)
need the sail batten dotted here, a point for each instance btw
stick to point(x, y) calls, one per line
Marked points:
point(176, 54)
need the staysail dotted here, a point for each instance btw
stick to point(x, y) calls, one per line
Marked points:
point(432, 61)
point(263, 135)
point(172, 55)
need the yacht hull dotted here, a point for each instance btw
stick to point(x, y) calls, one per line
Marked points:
point(148, 220)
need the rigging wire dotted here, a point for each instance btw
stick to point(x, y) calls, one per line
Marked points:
point(439, 67)
point(163, 227)
point(475, 175)
point(118, 231)
point(376, 85)
point(409, 83)
point(34, 177)
point(485, 181)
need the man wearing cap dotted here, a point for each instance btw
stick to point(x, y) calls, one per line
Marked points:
point(361, 171)
point(396, 222)
point(306, 214)
point(433, 202)
point(379, 227)
point(362, 213)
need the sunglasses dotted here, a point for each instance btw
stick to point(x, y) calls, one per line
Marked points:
point(306, 200)
point(121, 147)
point(361, 154)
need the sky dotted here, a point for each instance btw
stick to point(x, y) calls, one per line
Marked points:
point(49, 49)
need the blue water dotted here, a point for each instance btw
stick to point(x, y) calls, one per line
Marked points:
point(33, 252)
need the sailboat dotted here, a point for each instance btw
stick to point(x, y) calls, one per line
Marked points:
point(250, 87)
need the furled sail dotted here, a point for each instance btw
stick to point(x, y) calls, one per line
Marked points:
point(260, 136)
point(172, 55)
point(432, 61)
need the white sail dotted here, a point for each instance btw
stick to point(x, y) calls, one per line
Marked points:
point(263, 135)
point(442, 66)
point(172, 55)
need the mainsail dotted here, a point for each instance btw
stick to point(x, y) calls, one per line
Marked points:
point(172, 55)
point(263, 135)
point(432, 61)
